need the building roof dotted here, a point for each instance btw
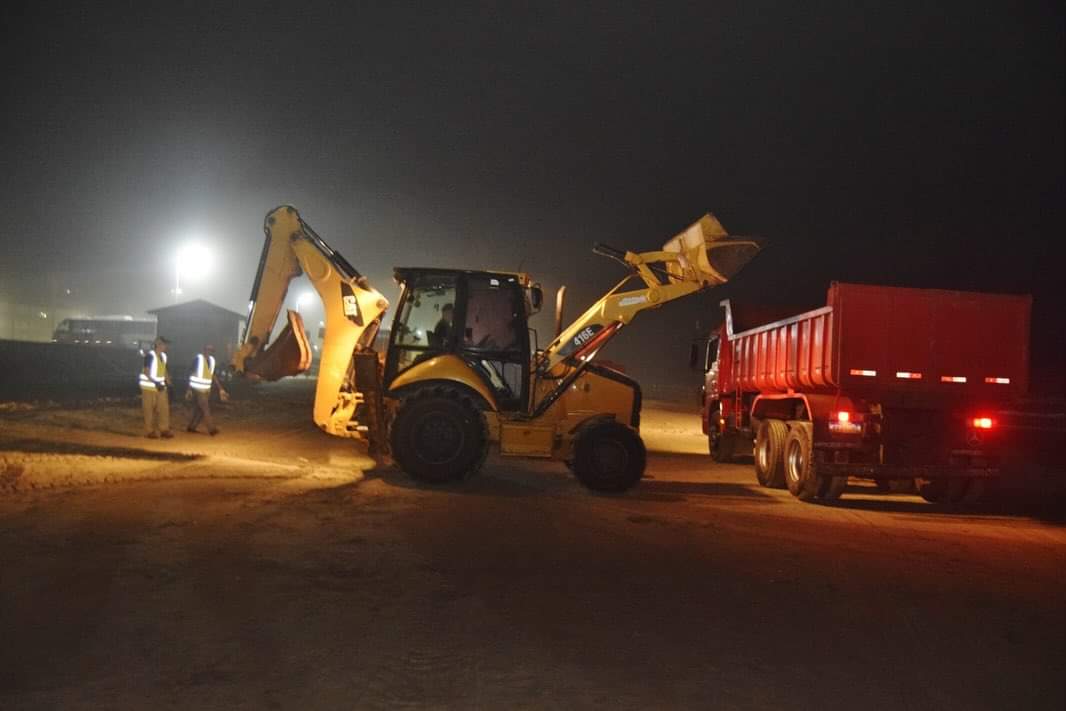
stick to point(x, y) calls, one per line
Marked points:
point(195, 305)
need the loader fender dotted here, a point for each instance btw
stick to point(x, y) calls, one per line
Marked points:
point(447, 368)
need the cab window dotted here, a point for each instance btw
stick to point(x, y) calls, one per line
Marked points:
point(712, 355)
point(426, 323)
point(494, 336)
point(492, 318)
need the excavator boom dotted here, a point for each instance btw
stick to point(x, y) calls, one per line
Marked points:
point(353, 313)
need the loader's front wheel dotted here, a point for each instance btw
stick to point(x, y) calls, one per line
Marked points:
point(439, 435)
point(609, 457)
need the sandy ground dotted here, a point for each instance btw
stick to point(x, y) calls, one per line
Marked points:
point(273, 567)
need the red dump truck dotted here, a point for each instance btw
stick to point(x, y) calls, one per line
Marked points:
point(884, 383)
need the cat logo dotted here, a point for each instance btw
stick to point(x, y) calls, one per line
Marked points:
point(351, 306)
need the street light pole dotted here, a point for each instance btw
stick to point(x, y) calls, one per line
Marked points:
point(177, 279)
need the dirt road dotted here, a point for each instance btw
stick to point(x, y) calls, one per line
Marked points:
point(261, 569)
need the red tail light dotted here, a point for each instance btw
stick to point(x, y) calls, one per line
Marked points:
point(983, 423)
point(844, 422)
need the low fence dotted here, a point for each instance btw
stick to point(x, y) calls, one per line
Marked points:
point(62, 371)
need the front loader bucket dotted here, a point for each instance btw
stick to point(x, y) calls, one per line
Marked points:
point(289, 354)
point(709, 254)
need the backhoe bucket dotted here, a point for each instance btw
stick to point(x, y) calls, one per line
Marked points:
point(709, 254)
point(289, 354)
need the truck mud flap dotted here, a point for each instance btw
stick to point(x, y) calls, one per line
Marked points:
point(289, 354)
point(888, 471)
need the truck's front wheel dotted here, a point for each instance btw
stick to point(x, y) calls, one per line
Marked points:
point(439, 435)
point(721, 445)
point(609, 457)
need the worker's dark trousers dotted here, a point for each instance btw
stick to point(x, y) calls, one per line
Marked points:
point(201, 410)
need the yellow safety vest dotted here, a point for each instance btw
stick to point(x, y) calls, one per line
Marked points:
point(203, 371)
point(157, 371)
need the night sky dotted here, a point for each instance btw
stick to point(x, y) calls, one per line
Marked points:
point(915, 146)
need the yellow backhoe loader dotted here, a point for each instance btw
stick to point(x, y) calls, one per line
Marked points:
point(459, 371)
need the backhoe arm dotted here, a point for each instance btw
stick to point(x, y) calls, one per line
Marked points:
point(703, 255)
point(353, 312)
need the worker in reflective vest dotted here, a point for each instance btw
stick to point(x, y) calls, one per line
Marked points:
point(201, 379)
point(155, 382)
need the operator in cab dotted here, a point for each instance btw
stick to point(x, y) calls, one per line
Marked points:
point(155, 383)
point(443, 329)
point(201, 379)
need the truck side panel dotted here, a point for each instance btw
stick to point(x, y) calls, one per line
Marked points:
point(795, 354)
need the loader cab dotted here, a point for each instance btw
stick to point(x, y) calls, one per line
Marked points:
point(481, 317)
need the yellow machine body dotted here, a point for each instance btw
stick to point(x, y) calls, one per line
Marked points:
point(562, 390)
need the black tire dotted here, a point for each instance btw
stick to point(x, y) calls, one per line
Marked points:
point(956, 491)
point(721, 445)
point(975, 491)
point(769, 453)
point(933, 491)
point(902, 486)
point(895, 486)
point(609, 457)
point(439, 435)
point(830, 488)
point(799, 463)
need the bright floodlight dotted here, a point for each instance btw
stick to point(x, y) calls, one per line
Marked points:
point(194, 260)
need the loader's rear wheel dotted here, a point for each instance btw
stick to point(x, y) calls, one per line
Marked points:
point(439, 435)
point(769, 453)
point(799, 464)
point(609, 457)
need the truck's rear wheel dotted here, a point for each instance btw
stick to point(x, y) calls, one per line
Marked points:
point(830, 488)
point(934, 491)
point(902, 486)
point(439, 435)
point(975, 491)
point(799, 463)
point(956, 490)
point(609, 457)
point(769, 453)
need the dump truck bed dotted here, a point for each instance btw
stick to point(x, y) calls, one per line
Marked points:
point(894, 345)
